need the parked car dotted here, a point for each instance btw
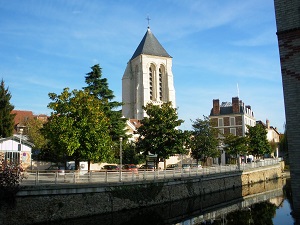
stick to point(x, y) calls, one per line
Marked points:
point(172, 166)
point(56, 169)
point(196, 166)
point(147, 167)
point(130, 168)
point(110, 167)
point(186, 167)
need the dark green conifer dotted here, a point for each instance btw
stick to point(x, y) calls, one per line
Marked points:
point(98, 87)
point(6, 117)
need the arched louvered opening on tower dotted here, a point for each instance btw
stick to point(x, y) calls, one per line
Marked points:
point(161, 83)
point(152, 85)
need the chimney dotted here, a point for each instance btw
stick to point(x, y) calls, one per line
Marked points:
point(268, 124)
point(216, 107)
point(235, 105)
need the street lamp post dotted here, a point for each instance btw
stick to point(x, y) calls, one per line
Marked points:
point(121, 139)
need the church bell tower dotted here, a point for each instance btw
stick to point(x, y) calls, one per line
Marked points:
point(148, 78)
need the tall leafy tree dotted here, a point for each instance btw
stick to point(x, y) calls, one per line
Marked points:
point(205, 140)
point(158, 133)
point(78, 127)
point(98, 87)
point(236, 145)
point(6, 117)
point(131, 155)
point(34, 133)
point(258, 142)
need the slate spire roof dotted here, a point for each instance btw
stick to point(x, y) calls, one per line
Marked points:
point(150, 46)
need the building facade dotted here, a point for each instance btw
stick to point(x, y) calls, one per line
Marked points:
point(288, 34)
point(148, 78)
point(273, 136)
point(232, 117)
point(16, 151)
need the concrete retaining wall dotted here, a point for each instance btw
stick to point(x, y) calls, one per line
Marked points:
point(40, 204)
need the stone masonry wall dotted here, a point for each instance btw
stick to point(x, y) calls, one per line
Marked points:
point(41, 204)
point(288, 34)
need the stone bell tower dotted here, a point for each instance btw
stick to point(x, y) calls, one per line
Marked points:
point(148, 78)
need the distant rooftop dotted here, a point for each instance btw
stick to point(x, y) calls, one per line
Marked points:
point(226, 104)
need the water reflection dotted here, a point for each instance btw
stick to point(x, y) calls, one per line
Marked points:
point(258, 204)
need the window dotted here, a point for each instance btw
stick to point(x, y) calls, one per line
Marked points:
point(151, 83)
point(221, 133)
point(233, 131)
point(232, 121)
point(160, 85)
point(220, 122)
point(12, 157)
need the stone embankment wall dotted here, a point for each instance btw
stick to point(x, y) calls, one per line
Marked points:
point(41, 204)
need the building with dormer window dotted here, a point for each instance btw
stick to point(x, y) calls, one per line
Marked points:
point(232, 117)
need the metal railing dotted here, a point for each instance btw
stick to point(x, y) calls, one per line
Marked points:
point(75, 177)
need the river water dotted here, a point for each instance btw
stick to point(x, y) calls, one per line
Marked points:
point(267, 203)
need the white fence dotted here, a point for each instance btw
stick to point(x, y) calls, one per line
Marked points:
point(71, 177)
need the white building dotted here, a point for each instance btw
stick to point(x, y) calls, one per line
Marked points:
point(148, 78)
point(14, 150)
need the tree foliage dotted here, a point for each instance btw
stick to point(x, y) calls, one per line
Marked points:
point(98, 87)
point(131, 154)
point(78, 127)
point(205, 140)
point(258, 143)
point(34, 133)
point(283, 143)
point(10, 178)
point(159, 134)
point(236, 145)
point(7, 118)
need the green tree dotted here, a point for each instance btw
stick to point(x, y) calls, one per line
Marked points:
point(98, 87)
point(131, 155)
point(7, 118)
point(258, 143)
point(34, 133)
point(236, 145)
point(205, 140)
point(78, 127)
point(159, 134)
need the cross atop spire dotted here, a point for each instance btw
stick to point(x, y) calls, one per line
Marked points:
point(148, 18)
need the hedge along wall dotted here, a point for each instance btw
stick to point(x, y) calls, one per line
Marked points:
point(40, 204)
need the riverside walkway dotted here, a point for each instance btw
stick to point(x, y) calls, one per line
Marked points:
point(35, 178)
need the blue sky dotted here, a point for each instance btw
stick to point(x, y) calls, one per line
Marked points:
point(216, 45)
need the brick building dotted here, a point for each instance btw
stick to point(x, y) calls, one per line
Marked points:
point(232, 117)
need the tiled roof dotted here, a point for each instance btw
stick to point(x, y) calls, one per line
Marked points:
point(150, 46)
point(21, 116)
